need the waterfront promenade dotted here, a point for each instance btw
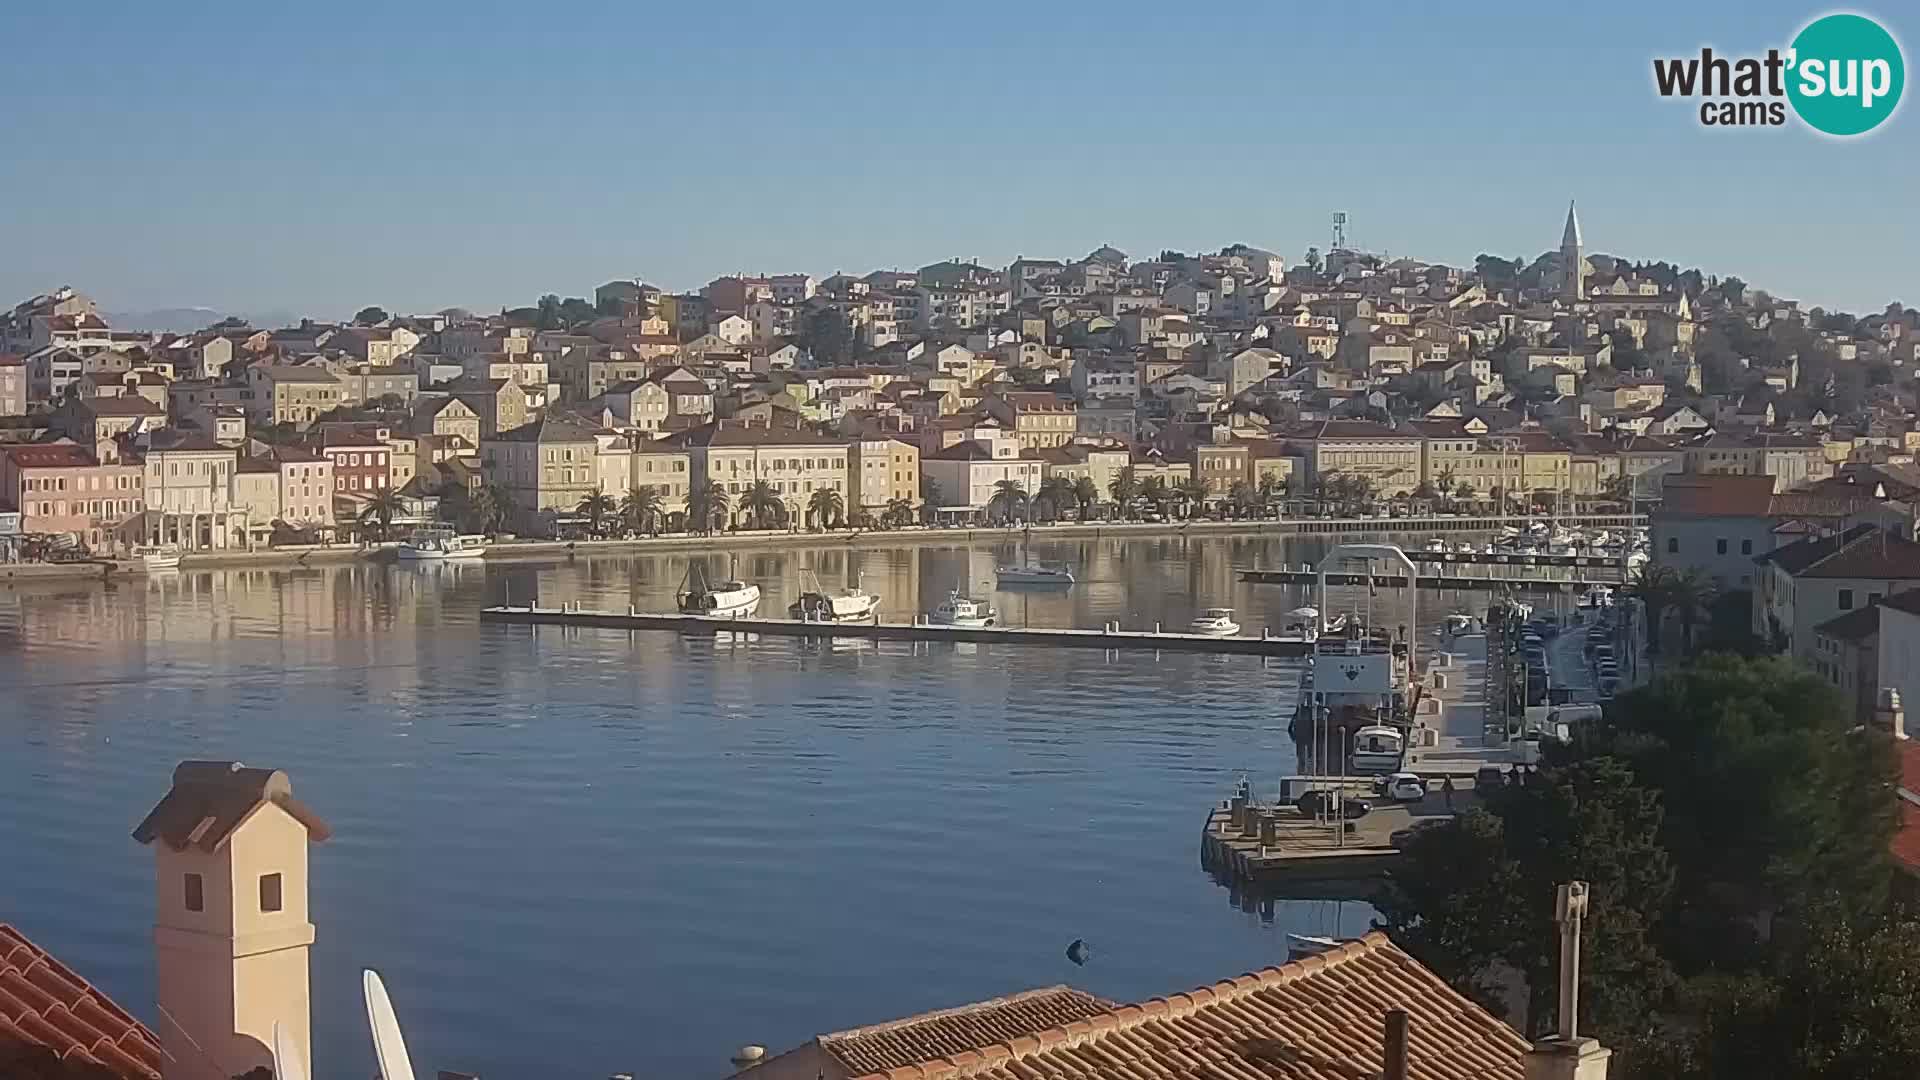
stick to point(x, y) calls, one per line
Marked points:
point(504, 551)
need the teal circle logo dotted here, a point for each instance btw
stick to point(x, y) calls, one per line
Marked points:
point(1846, 74)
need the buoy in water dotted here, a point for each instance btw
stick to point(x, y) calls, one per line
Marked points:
point(1079, 952)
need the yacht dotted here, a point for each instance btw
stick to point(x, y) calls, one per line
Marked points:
point(1460, 624)
point(1436, 544)
point(158, 558)
point(963, 611)
point(1463, 547)
point(1301, 946)
point(1034, 574)
point(729, 599)
point(437, 545)
point(852, 604)
point(1215, 622)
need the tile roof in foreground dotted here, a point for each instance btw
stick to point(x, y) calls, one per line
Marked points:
point(1319, 1018)
point(55, 1026)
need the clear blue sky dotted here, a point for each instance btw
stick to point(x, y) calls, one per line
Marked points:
point(325, 156)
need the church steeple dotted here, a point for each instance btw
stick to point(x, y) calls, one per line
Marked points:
point(1573, 264)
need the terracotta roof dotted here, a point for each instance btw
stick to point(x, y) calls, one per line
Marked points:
point(51, 456)
point(209, 799)
point(1716, 495)
point(1863, 551)
point(919, 1039)
point(1906, 841)
point(1855, 626)
point(55, 1026)
point(1320, 1018)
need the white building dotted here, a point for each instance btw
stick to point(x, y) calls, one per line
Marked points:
point(969, 472)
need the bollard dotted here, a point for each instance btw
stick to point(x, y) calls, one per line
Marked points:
point(1237, 813)
point(1250, 828)
point(1156, 627)
point(1269, 828)
point(632, 610)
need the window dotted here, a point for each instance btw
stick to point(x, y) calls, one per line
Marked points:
point(269, 892)
point(196, 893)
point(1720, 546)
point(1673, 545)
point(1746, 547)
point(1873, 598)
point(1846, 599)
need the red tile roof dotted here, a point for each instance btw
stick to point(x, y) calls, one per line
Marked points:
point(51, 456)
point(917, 1039)
point(1906, 841)
point(1716, 495)
point(209, 799)
point(1320, 1018)
point(53, 1024)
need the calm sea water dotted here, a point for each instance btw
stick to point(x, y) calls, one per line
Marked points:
point(576, 852)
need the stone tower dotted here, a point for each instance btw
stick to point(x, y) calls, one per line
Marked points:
point(231, 934)
point(1572, 263)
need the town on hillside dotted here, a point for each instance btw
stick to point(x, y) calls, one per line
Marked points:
point(1227, 384)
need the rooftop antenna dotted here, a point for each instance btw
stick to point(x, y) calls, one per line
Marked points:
point(1339, 230)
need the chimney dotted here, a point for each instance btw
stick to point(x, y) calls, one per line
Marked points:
point(1564, 1055)
point(1396, 1055)
point(1888, 715)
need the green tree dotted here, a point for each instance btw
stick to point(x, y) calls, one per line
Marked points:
point(827, 508)
point(576, 312)
point(547, 313)
point(1692, 595)
point(1125, 489)
point(1653, 586)
point(1086, 495)
point(763, 505)
point(369, 315)
point(599, 509)
point(1056, 495)
point(899, 512)
point(707, 508)
point(1771, 799)
point(930, 499)
point(1155, 490)
point(1242, 497)
point(643, 510)
point(1480, 888)
point(380, 511)
point(1009, 501)
point(1192, 494)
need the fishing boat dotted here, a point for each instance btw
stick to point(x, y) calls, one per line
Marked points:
point(1301, 946)
point(963, 611)
point(158, 558)
point(1436, 544)
point(851, 604)
point(1215, 622)
point(439, 545)
point(1034, 574)
point(1358, 680)
point(729, 599)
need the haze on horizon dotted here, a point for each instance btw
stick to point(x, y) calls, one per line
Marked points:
point(318, 160)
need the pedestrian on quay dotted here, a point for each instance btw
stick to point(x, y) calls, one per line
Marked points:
point(1446, 789)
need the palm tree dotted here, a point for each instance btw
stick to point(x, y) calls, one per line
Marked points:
point(707, 508)
point(1009, 501)
point(1156, 491)
point(1086, 493)
point(1242, 497)
point(1056, 493)
point(598, 508)
point(763, 504)
point(643, 509)
point(827, 508)
point(1653, 586)
point(898, 512)
point(381, 509)
point(1443, 485)
point(1272, 489)
point(1192, 494)
point(1692, 594)
point(1125, 490)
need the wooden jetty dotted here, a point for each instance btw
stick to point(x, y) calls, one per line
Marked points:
point(1111, 636)
point(1277, 846)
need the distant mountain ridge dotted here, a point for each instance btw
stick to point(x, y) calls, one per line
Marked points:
point(185, 320)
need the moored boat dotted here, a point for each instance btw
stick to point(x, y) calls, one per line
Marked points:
point(852, 604)
point(729, 599)
point(1215, 622)
point(438, 545)
point(158, 558)
point(963, 611)
point(1034, 574)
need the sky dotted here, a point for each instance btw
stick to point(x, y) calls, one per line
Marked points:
point(316, 158)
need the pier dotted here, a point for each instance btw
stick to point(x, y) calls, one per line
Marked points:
point(1270, 845)
point(1468, 570)
point(1112, 636)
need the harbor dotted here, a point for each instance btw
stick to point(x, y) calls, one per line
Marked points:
point(1387, 738)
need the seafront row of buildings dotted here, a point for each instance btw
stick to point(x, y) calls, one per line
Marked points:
point(1228, 378)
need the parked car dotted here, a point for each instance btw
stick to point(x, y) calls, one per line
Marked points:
point(1488, 777)
point(1314, 804)
point(1402, 787)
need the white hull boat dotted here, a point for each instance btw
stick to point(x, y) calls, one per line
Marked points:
point(1215, 622)
point(154, 558)
point(730, 599)
point(847, 606)
point(964, 612)
point(441, 545)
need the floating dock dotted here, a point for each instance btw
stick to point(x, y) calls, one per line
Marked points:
point(1467, 570)
point(1111, 637)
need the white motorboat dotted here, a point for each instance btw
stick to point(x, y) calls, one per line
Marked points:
point(1460, 624)
point(1436, 544)
point(1215, 622)
point(729, 599)
point(158, 558)
point(963, 611)
point(1034, 574)
point(439, 545)
point(1600, 596)
point(1301, 946)
point(1463, 547)
point(851, 604)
